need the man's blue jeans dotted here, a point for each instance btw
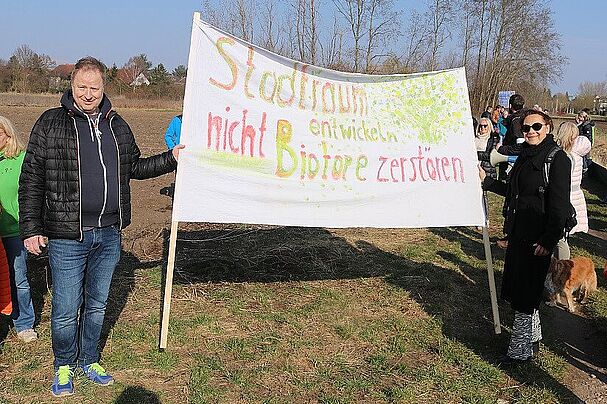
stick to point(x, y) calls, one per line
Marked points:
point(82, 274)
point(23, 310)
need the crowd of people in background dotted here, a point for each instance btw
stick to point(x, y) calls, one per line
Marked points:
point(506, 123)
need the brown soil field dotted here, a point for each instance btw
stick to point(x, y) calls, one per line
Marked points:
point(118, 101)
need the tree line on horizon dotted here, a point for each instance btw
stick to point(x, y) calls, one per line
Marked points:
point(494, 40)
point(29, 72)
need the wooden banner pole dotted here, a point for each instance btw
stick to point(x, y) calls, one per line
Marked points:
point(492, 290)
point(168, 286)
point(490, 274)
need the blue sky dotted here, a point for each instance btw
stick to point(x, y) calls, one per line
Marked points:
point(114, 30)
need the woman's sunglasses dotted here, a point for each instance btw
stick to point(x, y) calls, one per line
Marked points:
point(536, 127)
point(483, 126)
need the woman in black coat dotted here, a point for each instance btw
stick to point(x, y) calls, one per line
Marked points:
point(485, 140)
point(534, 221)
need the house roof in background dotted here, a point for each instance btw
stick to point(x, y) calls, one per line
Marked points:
point(63, 71)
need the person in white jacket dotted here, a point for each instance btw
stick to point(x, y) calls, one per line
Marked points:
point(576, 148)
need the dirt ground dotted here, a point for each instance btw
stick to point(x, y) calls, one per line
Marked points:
point(145, 238)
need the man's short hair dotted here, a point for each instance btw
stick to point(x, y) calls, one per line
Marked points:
point(516, 102)
point(89, 63)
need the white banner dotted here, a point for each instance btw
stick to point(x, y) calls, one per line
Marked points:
point(274, 141)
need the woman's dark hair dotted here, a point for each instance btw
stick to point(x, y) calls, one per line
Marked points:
point(89, 63)
point(545, 117)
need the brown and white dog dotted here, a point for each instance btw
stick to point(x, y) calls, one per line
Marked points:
point(569, 276)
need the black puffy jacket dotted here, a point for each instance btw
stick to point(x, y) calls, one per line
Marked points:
point(49, 186)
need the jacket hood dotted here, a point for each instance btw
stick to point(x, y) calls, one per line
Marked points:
point(68, 102)
point(581, 146)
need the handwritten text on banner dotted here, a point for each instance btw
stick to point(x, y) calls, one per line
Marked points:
point(270, 140)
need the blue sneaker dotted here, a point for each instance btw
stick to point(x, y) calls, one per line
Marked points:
point(97, 374)
point(63, 384)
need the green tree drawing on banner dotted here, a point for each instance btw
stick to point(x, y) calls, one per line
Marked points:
point(429, 108)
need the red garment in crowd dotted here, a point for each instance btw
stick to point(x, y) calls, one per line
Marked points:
point(6, 306)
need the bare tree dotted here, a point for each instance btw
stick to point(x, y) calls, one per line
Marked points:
point(439, 15)
point(467, 30)
point(372, 24)
point(353, 12)
point(244, 19)
point(29, 70)
point(382, 27)
point(24, 55)
point(504, 56)
point(415, 50)
point(331, 52)
point(135, 66)
point(270, 34)
point(306, 30)
point(587, 92)
point(240, 17)
point(593, 89)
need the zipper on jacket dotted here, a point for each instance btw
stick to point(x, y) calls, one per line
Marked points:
point(79, 182)
point(96, 134)
point(119, 188)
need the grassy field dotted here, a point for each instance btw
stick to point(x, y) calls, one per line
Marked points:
point(266, 314)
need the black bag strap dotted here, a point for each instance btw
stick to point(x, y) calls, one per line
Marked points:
point(546, 174)
point(548, 163)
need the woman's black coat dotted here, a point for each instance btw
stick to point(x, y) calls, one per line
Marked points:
point(533, 216)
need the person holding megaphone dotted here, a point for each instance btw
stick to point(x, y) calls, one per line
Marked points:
point(486, 141)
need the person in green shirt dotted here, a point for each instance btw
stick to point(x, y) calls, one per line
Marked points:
point(12, 151)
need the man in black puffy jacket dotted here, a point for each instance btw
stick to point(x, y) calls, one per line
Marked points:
point(74, 190)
